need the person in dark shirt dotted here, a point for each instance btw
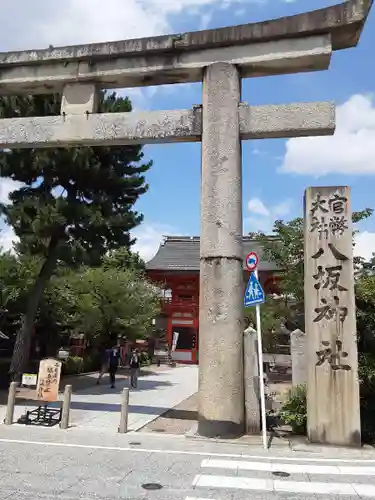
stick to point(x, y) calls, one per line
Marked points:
point(104, 363)
point(114, 361)
point(134, 365)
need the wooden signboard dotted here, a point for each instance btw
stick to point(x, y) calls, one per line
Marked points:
point(48, 380)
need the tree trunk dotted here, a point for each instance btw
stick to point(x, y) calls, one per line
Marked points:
point(21, 352)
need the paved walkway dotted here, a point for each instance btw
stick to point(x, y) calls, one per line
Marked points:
point(97, 408)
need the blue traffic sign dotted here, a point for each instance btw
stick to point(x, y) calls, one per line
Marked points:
point(254, 293)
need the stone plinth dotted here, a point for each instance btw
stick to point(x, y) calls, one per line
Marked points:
point(332, 384)
point(298, 347)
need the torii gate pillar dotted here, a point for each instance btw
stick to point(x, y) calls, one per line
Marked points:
point(221, 392)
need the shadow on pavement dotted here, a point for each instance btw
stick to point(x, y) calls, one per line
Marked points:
point(143, 385)
point(115, 408)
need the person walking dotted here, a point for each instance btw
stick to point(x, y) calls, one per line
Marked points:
point(134, 365)
point(114, 361)
point(104, 364)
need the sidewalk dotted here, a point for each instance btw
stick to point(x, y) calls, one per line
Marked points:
point(97, 408)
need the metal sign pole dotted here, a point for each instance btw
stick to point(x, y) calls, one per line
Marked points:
point(261, 379)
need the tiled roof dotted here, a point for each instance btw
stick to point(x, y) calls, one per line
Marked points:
point(181, 253)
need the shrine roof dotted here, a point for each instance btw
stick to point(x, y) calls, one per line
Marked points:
point(181, 253)
point(344, 22)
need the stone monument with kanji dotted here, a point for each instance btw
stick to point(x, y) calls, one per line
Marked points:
point(332, 378)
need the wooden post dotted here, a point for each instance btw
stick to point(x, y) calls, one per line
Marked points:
point(66, 407)
point(11, 403)
point(124, 411)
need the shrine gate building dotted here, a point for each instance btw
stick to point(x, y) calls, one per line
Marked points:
point(175, 268)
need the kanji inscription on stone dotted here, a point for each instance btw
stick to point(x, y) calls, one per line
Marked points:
point(333, 356)
point(48, 380)
point(328, 215)
point(332, 388)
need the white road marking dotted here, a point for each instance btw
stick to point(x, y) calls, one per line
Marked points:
point(238, 483)
point(197, 498)
point(290, 468)
point(185, 452)
point(246, 483)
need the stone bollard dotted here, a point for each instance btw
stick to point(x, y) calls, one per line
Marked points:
point(64, 424)
point(298, 346)
point(11, 403)
point(124, 411)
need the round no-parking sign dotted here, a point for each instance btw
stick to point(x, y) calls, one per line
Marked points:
point(251, 261)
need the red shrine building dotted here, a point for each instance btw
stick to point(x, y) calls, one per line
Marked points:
point(175, 269)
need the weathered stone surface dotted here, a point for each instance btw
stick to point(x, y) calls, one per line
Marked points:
point(162, 126)
point(332, 386)
point(78, 99)
point(344, 22)
point(298, 350)
point(289, 120)
point(102, 129)
point(260, 59)
point(251, 387)
point(221, 377)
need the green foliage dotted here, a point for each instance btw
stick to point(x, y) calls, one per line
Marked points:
point(123, 258)
point(82, 196)
point(286, 249)
point(294, 410)
point(72, 366)
point(367, 394)
point(145, 358)
point(101, 303)
point(91, 362)
point(73, 206)
point(107, 302)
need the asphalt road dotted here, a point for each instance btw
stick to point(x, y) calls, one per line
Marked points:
point(50, 463)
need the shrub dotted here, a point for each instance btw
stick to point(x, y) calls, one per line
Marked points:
point(72, 365)
point(145, 359)
point(91, 362)
point(366, 372)
point(294, 410)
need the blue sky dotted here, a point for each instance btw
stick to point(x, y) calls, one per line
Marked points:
point(276, 172)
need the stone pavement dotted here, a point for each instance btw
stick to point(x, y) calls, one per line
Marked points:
point(97, 408)
point(47, 463)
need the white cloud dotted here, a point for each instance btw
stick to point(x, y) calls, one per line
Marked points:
point(7, 237)
point(149, 238)
point(32, 24)
point(7, 185)
point(39, 23)
point(282, 209)
point(350, 151)
point(256, 206)
point(364, 244)
point(261, 217)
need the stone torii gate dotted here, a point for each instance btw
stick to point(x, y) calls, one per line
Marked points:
point(219, 58)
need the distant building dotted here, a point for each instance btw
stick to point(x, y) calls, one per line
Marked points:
point(175, 268)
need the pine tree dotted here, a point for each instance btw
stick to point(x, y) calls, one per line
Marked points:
point(75, 205)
